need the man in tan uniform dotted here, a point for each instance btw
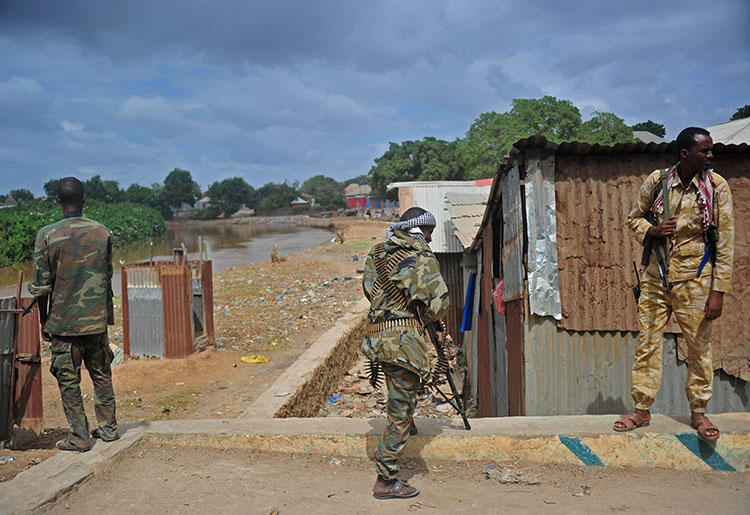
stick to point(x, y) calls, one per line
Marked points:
point(699, 270)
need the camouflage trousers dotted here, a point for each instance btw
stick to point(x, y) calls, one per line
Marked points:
point(687, 301)
point(68, 352)
point(403, 387)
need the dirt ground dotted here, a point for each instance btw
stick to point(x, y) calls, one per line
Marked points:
point(271, 309)
point(189, 480)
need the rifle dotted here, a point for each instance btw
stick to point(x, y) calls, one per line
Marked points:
point(444, 368)
point(659, 247)
point(637, 287)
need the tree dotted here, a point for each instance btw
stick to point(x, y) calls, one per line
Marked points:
point(274, 196)
point(430, 159)
point(652, 127)
point(742, 112)
point(360, 179)
point(228, 195)
point(21, 195)
point(50, 188)
point(605, 129)
point(328, 192)
point(106, 191)
point(137, 194)
point(179, 188)
point(492, 134)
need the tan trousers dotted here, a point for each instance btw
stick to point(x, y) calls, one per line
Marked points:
point(687, 301)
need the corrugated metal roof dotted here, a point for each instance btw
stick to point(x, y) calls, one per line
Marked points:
point(648, 137)
point(734, 132)
point(466, 210)
point(431, 195)
point(576, 147)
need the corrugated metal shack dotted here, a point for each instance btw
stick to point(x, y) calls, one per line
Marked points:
point(167, 308)
point(555, 231)
point(434, 197)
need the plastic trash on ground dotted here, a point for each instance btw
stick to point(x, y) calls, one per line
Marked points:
point(259, 358)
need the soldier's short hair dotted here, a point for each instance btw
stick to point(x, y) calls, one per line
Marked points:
point(688, 137)
point(70, 191)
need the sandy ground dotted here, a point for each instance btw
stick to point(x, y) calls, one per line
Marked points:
point(275, 310)
point(166, 479)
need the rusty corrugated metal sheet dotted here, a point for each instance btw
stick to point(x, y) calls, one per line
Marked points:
point(28, 407)
point(513, 237)
point(596, 249)
point(484, 318)
point(177, 305)
point(450, 269)
point(7, 340)
point(515, 346)
point(208, 300)
point(144, 311)
point(576, 147)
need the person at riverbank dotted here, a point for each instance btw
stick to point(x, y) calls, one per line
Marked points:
point(402, 281)
point(72, 285)
point(689, 282)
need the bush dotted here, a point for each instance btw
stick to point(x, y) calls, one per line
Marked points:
point(19, 225)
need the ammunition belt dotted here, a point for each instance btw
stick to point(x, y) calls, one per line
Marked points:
point(397, 323)
point(385, 266)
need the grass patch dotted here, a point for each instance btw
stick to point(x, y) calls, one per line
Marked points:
point(178, 401)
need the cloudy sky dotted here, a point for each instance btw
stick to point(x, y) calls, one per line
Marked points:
point(283, 90)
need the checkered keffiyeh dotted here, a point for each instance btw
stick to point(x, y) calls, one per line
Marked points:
point(705, 196)
point(425, 218)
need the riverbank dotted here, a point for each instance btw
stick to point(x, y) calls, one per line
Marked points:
point(273, 309)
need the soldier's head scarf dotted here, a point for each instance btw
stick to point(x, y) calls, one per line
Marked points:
point(412, 224)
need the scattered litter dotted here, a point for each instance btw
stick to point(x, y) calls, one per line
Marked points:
point(333, 398)
point(259, 358)
point(509, 475)
point(282, 394)
point(335, 461)
point(181, 383)
point(35, 461)
point(6, 459)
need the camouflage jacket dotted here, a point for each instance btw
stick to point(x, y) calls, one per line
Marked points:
point(418, 278)
point(73, 265)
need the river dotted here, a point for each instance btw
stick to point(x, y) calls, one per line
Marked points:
point(228, 245)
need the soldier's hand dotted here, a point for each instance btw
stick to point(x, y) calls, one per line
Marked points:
point(45, 334)
point(664, 229)
point(714, 305)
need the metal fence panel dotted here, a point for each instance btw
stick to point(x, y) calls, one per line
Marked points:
point(512, 264)
point(178, 312)
point(7, 337)
point(145, 312)
point(28, 406)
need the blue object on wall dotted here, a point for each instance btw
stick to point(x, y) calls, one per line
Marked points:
point(468, 304)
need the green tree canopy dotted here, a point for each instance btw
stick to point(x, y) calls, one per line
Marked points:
point(492, 134)
point(97, 189)
point(50, 188)
point(742, 112)
point(21, 195)
point(360, 179)
point(652, 127)
point(229, 195)
point(430, 159)
point(179, 188)
point(138, 194)
point(275, 196)
point(328, 192)
point(605, 129)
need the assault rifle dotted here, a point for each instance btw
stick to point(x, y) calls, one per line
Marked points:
point(443, 368)
point(659, 248)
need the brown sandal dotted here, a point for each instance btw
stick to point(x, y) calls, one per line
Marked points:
point(632, 421)
point(703, 425)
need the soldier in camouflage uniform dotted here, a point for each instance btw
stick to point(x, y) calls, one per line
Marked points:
point(72, 282)
point(699, 272)
point(402, 281)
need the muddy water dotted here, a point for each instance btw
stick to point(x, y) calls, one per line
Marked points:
point(227, 246)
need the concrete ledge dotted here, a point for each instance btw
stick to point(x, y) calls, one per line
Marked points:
point(316, 373)
point(537, 439)
point(57, 475)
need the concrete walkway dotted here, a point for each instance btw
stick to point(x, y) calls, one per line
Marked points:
point(668, 442)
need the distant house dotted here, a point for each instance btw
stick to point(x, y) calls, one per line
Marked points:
point(9, 202)
point(356, 195)
point(731, 133)
point(299, 202)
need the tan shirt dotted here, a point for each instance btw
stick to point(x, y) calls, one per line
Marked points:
point(687, 245)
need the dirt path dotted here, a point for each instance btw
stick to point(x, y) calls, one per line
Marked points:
point(276, 310)
point(166, 479)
